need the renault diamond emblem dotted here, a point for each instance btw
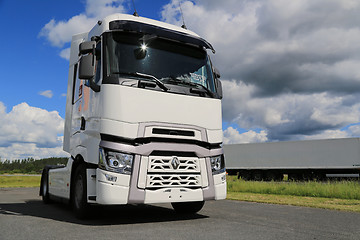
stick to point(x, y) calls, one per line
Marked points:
point(175, 162)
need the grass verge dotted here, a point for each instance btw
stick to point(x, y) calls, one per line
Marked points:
point(330, 189)
point(315, 202)
point(19, 181)
point(341, 195)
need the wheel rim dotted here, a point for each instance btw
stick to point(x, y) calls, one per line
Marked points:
point(44, 187)
point(79, 189)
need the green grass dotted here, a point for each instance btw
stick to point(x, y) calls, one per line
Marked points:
point(339, 189)
point(19, 181)
point(340, 195)
point(315, 202)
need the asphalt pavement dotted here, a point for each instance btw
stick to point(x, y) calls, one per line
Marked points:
point(24, 216)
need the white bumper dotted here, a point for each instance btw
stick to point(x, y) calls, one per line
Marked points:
point(220, 186)
point(113, 188)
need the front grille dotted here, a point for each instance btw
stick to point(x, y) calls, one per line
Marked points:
point(163, 173)
point(163, 164)
point(167, 180)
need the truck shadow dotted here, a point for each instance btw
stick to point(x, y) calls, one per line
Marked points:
point(100, 215)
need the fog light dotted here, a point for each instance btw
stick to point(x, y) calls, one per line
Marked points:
point(110, 178)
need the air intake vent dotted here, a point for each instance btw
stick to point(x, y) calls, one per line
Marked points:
point(173, 132)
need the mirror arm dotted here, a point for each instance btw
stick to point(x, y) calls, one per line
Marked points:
point(94, 86)
point(219, 88)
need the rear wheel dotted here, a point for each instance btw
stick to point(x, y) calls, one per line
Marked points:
point(258, 176)
point(274, 176)
point(45, 187)
point(270, 176)
point(293, 177)
point(187, 207)
point(245, 175)
point(79, 193)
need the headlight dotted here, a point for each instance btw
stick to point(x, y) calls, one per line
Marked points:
point(217, 164)
point(115, 161)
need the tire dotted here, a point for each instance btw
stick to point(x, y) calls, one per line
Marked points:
point(79, 193)
point(274, 176)
point(258, 176)
point(306, 176)
point(187, 207)
point(245, 175)
point(270, 176)
point(293, 177)
point(321, 177)
point(45, 187)
point(279, 177)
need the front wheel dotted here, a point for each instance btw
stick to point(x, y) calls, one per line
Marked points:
point(45, 187)
point(79, 193)
point(187, 207)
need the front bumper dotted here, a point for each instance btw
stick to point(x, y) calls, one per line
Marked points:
point(121, 191)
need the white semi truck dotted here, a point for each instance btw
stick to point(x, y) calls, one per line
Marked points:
point(301, 160)
point(143, 119)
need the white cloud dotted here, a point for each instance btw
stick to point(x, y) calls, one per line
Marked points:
point(354, 130)
point(289, 68)
point(232, 136)
point(46, 93)
point(27, 150)
point(328, 134)
point(30, 132)
point(58, 33)
point(288, 116)
point(103, 8)
point(271, 43)
point(334, 111)
point(65, 54)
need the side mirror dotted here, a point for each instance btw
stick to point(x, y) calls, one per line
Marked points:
point(216, 72)
point(87, 71)
point(87, 67)
point(87, 47)
point(218, 88)
point(87, 63)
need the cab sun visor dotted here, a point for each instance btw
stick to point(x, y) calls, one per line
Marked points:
point(131, 26)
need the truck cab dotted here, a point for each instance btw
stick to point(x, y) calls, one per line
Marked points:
point(143, 119)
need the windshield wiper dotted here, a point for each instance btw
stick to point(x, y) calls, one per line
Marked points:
point(147, 76)
point(203, 88)
point(193, 90)
point(157, 81)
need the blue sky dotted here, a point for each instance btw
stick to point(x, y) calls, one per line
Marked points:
point(31, 64)
point(290, 69)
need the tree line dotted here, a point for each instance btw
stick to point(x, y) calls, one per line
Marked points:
point(29, 165)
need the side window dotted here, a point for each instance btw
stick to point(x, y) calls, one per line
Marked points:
point(97, 70)
point(77, 87)
point(98, 63)
point(74, 98)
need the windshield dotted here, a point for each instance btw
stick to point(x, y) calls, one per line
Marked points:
point(169, 61)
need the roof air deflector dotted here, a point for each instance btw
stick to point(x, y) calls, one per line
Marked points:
point(132, 26)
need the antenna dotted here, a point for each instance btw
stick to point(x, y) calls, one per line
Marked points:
point(135, 12)
point(182, 16)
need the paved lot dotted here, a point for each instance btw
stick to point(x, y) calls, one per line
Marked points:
point(24, 216)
